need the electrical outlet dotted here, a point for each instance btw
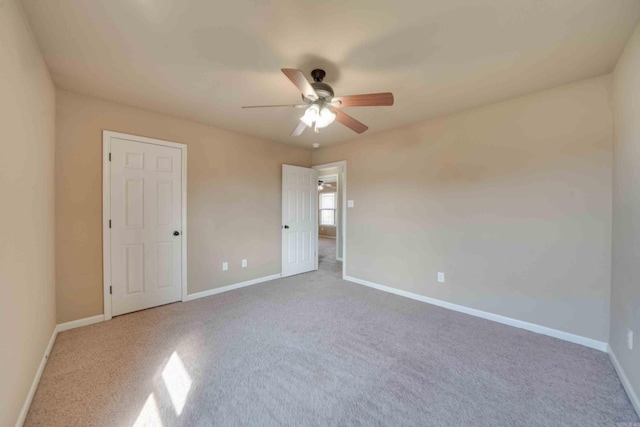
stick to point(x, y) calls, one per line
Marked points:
point(244, 263)
point(225, 266)
point(630, 339)
point(440, 277)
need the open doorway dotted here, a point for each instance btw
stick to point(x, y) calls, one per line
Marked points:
point(331, 216)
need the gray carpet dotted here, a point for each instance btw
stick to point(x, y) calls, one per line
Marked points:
point(315, 350)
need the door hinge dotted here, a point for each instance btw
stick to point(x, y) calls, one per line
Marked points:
point(110, 290)
point(109, 156)
point(109, 223)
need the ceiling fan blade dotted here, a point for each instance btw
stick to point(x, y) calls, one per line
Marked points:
point(281, 105)
point(299, 129)
point(350, 122)
point(365, 100)
point(297, 78)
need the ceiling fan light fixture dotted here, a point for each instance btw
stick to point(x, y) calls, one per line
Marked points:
point(326, 118)
point(310, 115)
point(322, 117)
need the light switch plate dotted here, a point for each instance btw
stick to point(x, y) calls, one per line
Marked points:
point(440, 277)
point(350, 203)
point(244, 263)
point(225, 266)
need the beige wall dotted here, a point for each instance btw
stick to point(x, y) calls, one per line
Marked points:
point(512, 201)
point(27, 121)
point(233, 187)
point(625, 296)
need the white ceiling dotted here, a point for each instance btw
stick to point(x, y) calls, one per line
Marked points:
point(203, 59)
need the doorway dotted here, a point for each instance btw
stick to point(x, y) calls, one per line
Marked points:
point(144, 222)
point(332, 204)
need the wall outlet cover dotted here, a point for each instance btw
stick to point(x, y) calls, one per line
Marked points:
point(225, 266)
point(350, 203)
point(244, 263)
point(440, 277)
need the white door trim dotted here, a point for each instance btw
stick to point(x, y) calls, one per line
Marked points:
point(342, 164)
point(106, 209)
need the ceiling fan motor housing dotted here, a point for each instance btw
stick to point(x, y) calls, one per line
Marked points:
point(324, 91)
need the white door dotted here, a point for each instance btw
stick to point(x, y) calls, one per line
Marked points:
point(146, 225)
point(299, 220)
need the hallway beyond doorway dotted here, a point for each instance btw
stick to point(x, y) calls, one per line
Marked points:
point(327, 256)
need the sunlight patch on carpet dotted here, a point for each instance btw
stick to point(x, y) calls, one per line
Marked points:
point(178, 382)
point(149, 415)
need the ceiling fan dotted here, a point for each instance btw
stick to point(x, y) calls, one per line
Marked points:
point(322, 184)
point(322, 108)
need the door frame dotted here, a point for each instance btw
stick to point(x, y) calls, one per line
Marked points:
point(106, 209)
point(342, 165)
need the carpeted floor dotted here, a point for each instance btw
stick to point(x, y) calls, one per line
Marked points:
point(315, 350)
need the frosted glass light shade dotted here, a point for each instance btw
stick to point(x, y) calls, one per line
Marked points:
point(321, 117)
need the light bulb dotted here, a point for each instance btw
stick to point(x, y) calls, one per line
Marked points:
point(325, 118)
point(311, 115)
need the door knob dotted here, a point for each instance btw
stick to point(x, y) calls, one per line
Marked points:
point(176, 233)
point(286, 226)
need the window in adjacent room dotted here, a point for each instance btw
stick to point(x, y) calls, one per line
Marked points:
point(327, 209)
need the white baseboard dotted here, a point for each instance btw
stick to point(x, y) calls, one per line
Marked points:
point(36, 380)
point(566, 336)
point(633, 396)
point(227, 288)
point(338, 259)
point(100, 318)
point(80, 322)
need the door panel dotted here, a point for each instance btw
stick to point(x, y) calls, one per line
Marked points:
point(299, 219)
point(134, 268)
point(164, 253)
point(134, 203)
point(164, 202)
point(146, 209)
